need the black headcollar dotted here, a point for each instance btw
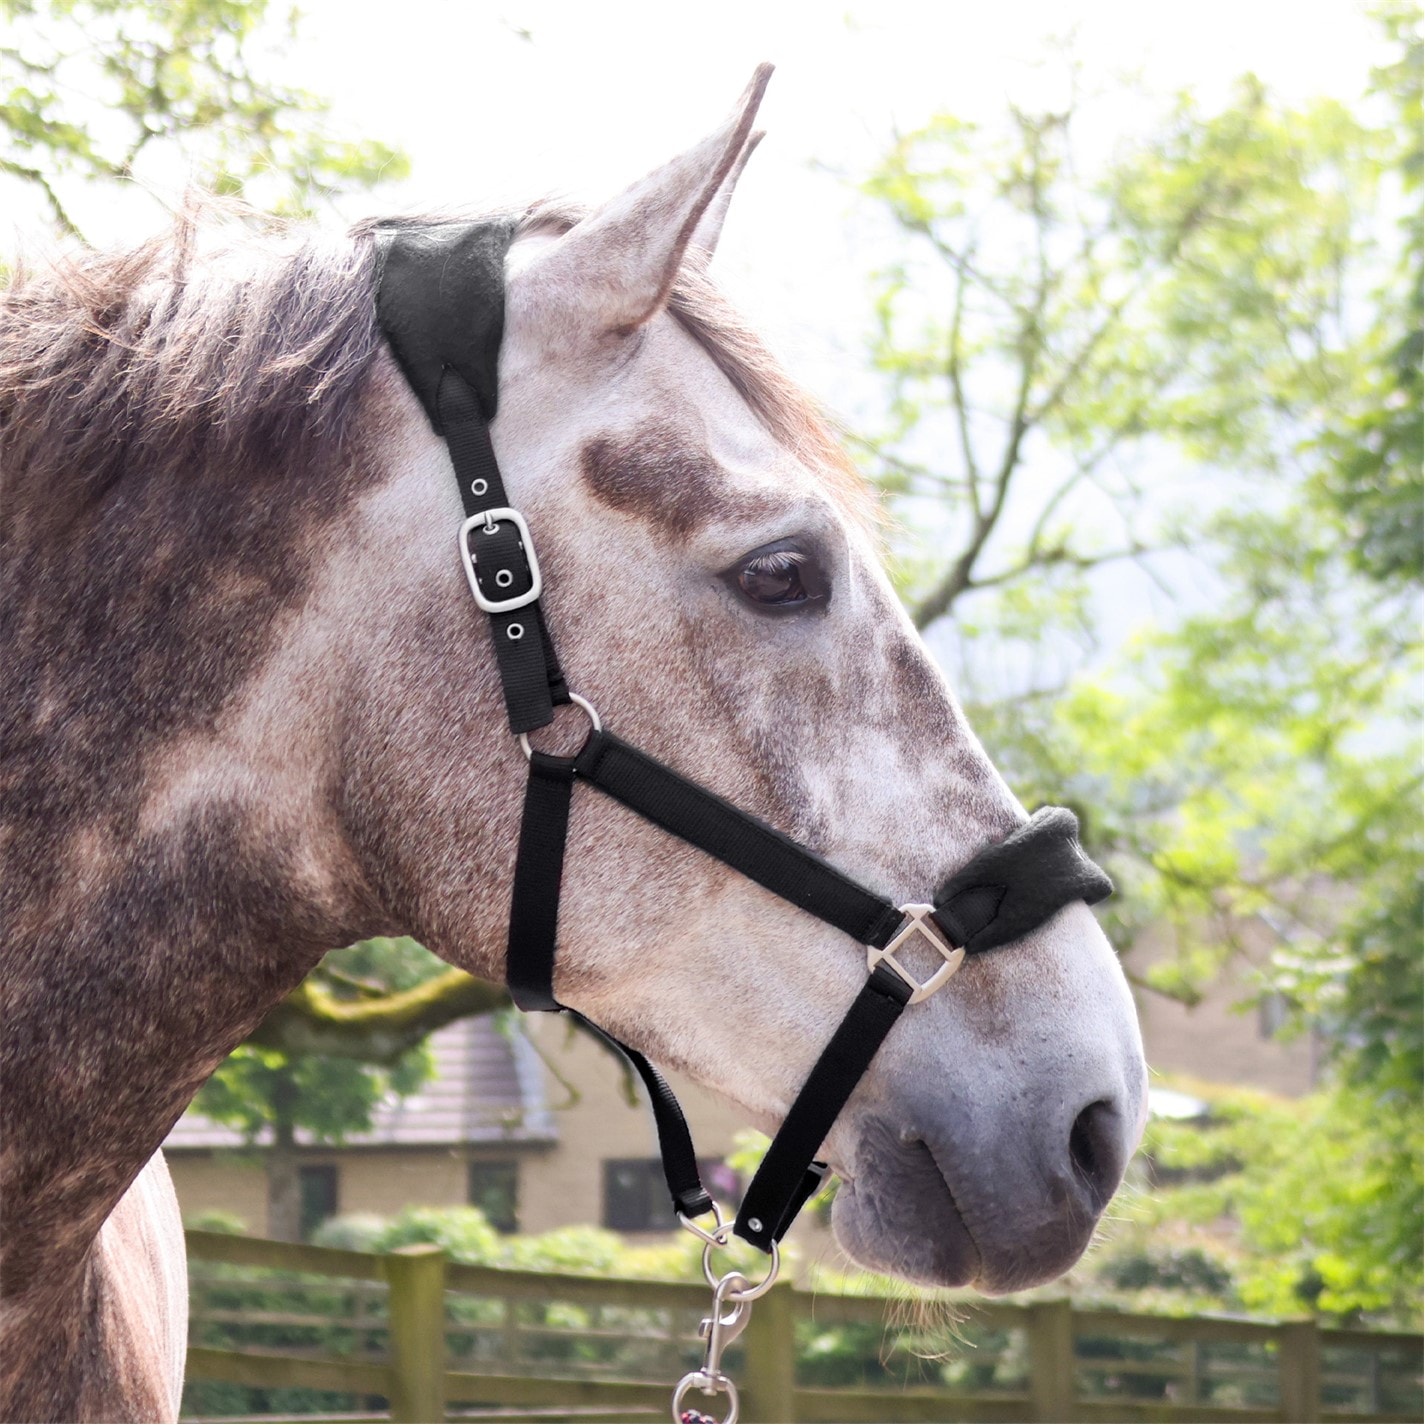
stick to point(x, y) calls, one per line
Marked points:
point(440, 302)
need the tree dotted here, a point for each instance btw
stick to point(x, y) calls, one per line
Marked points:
point(1080, 336)
point(382, 1024)
point(1188, 309)
point(92, 89)
point(259, 1088)
point(1226, 294)
point(1373, 453)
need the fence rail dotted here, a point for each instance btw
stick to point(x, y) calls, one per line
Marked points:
point(437, 1340)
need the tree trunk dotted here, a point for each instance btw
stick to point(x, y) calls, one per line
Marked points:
point(284, 1179)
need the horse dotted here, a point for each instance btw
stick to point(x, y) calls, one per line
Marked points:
point(250, 713)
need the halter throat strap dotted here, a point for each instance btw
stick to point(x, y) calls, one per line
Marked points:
point(440, 303)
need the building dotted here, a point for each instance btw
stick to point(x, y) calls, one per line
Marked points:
point(1232, 1036)
point(532, 1124)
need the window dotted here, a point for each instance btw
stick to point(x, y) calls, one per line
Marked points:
point(1273, 1010)
point(318, 1183)
point(636, 1196)
point(493, 1187)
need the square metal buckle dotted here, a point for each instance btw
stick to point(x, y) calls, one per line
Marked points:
point(490, 519)
point(918, 922)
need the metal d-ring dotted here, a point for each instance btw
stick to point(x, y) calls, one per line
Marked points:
point(720, 1234)
point(747, 1293)
point(596, 725)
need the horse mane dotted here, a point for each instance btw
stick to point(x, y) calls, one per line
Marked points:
point(214, 346)
point(203, 347)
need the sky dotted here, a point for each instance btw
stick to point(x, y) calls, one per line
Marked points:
point(599, 93)
point(516, 99)
point(510, 101)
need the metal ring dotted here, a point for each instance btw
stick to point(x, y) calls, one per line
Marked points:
point(596, 724)
point(515, 632)
point(478, 487)
point(718, 1237)
point(504, 578)
point(750, 1293)
point(709, 1385)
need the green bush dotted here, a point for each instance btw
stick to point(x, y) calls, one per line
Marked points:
point(1188, 1269)
point(351, 1232)
point(214, 1219)
point(462, 1232)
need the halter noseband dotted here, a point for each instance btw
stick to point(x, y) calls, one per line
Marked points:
point(440, 303)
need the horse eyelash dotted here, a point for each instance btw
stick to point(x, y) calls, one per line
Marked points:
point(775, 561)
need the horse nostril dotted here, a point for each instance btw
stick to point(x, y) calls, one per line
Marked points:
point(1095, 1151)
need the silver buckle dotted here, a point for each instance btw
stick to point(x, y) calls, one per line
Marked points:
point(490, 520)
point(918, 922)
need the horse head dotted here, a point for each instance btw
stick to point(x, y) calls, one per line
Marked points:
point(712, 579)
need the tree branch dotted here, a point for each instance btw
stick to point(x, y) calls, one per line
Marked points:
point(1030, 344)
point(311, 1020)
point(962, 264)
point(1076, 364)
point(1061, 556)
point(955, 372)
point(63, 221)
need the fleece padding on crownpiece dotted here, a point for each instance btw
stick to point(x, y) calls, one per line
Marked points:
point(440, 299)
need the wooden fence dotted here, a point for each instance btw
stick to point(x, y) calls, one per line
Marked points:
point(436, 1340)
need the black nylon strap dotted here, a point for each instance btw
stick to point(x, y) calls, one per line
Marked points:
point(736, 838)
point(440, 303)
point(1003, 893)
point(778, 1190)
point(467, 437)
point(529, 962)
point(530, 675)
point(440, 300)
point(675, 1142)
point(539, 870)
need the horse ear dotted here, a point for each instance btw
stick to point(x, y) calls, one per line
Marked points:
point(614, 269)
point(703, 243)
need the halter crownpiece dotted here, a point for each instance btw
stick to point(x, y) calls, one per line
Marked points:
point(440, 304)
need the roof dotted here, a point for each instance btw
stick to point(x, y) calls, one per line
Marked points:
point(487, 1087)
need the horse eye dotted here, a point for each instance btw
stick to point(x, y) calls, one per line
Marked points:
point(779, 578)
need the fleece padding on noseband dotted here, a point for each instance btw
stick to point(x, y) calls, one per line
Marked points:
point(1015, 886)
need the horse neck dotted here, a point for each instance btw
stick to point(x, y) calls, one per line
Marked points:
point(170, 866)
point(119, 1015)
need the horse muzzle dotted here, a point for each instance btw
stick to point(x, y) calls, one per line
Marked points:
point(934, 1201)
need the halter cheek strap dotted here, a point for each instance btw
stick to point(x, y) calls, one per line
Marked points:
point(440, 302)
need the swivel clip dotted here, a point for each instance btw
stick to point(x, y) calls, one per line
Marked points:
point(731, 1312)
